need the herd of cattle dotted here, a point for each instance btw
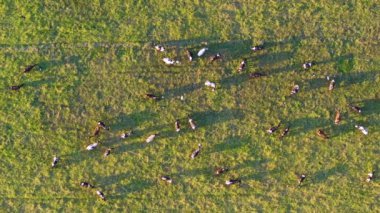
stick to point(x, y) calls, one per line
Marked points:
point(177, 126)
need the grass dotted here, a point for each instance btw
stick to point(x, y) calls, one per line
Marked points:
point(96, 63)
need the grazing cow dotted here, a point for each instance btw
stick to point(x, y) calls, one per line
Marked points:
point(332, 85)
point(167, 179)
point(301, 179)
point(159, 48)
point(101, 195)
point(96, 132)
point(295, 90)
point(29, 68)
point(337, 117)
point(126, 135)
point(154, 97)
point(274, 128)
point(307, 65)
point(107, 152)
point(210, 84)
point(257, 48)
point(169, 61)
point(232, 181)
point(92, 146)
point(55, 161)
point(322, 134)
point(242, 65)
point(196, 152)
point(362, 129)
point(256, 75)
point(103, 125)
point(177, 126)
point(202, 51)
point(151, 138)
point(190, 55)
point(215, 57)
point(285, 132)
point(356, 109)
point(370, 176)
point(221, 170)
point(16, 87)
point(86, 185)
point(192, 124)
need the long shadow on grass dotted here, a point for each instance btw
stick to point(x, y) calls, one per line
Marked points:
point(212, 117)
point(226, 82)
point(307, 124)
point(228, 49)
point(371, 107)
point(131, 121)
point(343, 80)
point(231, 143)
point(323, 175)
point(122, 191)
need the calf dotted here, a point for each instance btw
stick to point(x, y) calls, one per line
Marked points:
point(232, 181)
point(370, 176)
point(274, 128)
point(125, 135)
point(169, 61)
point(210, 84)
point(16, 87)
point(322, 134)
point(332, 85)
point(196, 152)
point(159, 48)
point(307, 65)
point(154, 97)
point(177, 126)
point(103, 125)
point(167, 179)
point(242, 65)
point(192, 124)
point(295, 90)
point(285, 132)
point(202, 51)
point(151, 138)
point(101, 195)
point(29, 68)
point(356, 109)
point(362, 129)
point(215, 57)
point(221, 170)
point(337, 117)
point(301, 179)
point(55, 162)
point(257, 48)
point(92, 146)
point(189, 55)
point(86, 185)
point(107, 152)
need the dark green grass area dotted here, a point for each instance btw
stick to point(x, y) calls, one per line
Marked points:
point(96, 62)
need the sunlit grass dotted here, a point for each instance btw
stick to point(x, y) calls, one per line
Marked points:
point(96, 62)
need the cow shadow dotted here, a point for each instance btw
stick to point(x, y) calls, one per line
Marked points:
point(139, 185)
point(131, 121)
point(307, 124)
point(212, 117)
point(342, 80)
point(231, 143)
point(371, 107)
point(323, 175)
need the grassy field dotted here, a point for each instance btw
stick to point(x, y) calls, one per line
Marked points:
point(96, 62)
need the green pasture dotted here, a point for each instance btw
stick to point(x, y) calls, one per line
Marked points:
point(96, 62)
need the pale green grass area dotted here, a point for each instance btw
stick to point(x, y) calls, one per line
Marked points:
point(97, 62)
